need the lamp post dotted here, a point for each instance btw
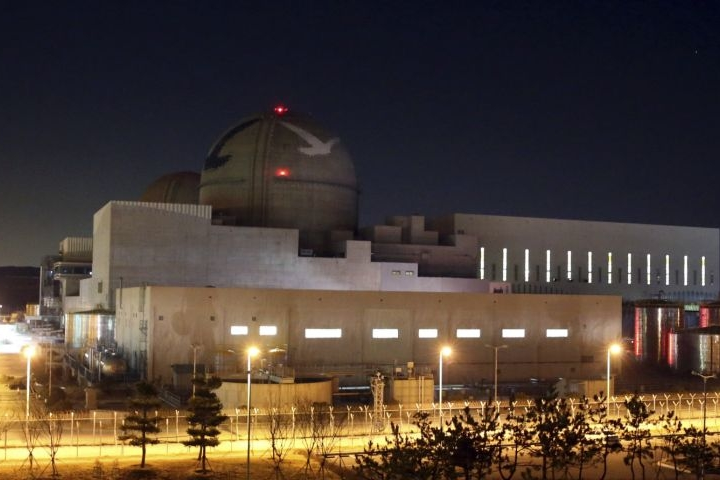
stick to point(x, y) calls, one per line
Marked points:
point(29, 351)
point(444, 352)
point(705, 378)
point(195, 347)
point(495, 369)
point(614, 348)
point(251, 352)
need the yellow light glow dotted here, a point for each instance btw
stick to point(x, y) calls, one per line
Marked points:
point(29, 351)
point(446, 351)
point(252, 351)
point(615, 348)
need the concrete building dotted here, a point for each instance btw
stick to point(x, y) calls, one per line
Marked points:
point(273, 246)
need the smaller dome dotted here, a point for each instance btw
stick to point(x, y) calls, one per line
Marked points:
point(179, 187)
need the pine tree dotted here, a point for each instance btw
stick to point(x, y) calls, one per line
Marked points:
point(140, 427)
point(205, 418)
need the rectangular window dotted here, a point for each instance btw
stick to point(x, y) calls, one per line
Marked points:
point(268, 330)
point(409, 273)
point(702, 271)
point(504, 265)
point(609, 277)
point(427, 333)
point(648, 269)
point(395, 272)
point(556, 332)
point(467, 333)
point(238, 330)
point(513, 333)
point(385, 333)
point(323, 333)
point(569, 266)
point(667, 269)
point(589, 267)
point(527, 265)
point(685, 271)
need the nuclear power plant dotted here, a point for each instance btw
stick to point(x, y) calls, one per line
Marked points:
point(263, 248)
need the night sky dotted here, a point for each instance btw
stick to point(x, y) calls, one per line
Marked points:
point(593, 110)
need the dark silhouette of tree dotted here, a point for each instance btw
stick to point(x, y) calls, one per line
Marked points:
point(695, 453)
point(637, 433)
point(205, 417)
point(141, 427)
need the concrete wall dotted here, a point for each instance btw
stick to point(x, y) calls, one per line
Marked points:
point(233, 394)
point(178, 317)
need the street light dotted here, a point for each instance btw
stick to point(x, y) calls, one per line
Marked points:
point(444, 352)
point(614, 349)
point(195, 347)
point(28, 351)
point(251, 352)
point(495, 369)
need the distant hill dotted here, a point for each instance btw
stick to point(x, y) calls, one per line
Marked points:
point(18, 287)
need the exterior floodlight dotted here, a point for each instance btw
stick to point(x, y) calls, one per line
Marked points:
point(444, 352)
point(251, 352)
point(613, 349)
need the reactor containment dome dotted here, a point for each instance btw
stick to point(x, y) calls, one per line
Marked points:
point(281, 169)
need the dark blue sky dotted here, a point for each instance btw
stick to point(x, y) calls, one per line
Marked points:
point(598, 110)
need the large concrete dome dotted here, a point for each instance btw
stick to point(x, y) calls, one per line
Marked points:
point(281, 169)
point(179, 187)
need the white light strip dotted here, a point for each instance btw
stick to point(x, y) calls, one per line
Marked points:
point(702, 271)
point(648, 269)
point(629, 271)
point(513, 333)
point(323, 333)
point(667, 269)
point(685, 270)
point(504, 266)
point(268, 330)
point(556, 332)
point(482, 263)
point(238, 330)
point(385, 333)
point(427, 333)
point(589, 267)
point(609, 275)
point(467, 333)
point(527, 265)
point(547, 266)
point(569, 265)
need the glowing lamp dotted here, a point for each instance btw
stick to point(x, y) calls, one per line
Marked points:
point(280, 110)
point(282, 172)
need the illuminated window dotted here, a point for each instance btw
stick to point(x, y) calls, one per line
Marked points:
point(395, 272)
point(513, 333)
point(482, 263)
point(268, 330)
point(238, 330)
point(702, 271)
point(504, 267)
point(385, 333)
point(427, 333)
point(648, 269)
point(569, 265)
point(547, 266)
point(685, 271)
point(323, 333)
point(667, 269)
point(556, 332)
point(467, 333)
point(409, 273)
point(527, 265)
point(589, 267)
point(609, 267)
point(629, 270)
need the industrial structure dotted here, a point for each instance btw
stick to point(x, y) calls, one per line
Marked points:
point(263, 248)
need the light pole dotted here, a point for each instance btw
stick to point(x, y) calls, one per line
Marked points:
point(251, 352)
point(195, 347)
point(495, 369)
point(614, 348)
point(705, 378)
point(29, 351)
point(444, 352)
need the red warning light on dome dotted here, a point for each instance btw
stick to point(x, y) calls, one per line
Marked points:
point(280, 110)
point(282, 172)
